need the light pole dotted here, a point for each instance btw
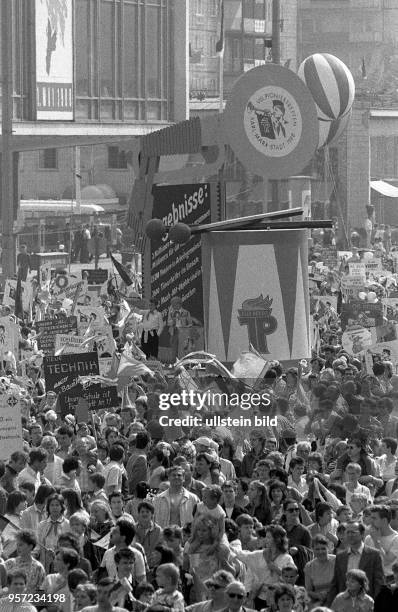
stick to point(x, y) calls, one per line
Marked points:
point(7, 158)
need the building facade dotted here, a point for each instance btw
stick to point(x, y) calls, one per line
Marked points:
point(363, 34)
point(129, 76)
point(247, 43)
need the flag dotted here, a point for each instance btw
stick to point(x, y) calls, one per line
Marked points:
point(220, 42)
point(363, 69)
point(18, 298)
point(124, 275)
point(129, 367)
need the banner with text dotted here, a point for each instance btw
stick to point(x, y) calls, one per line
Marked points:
point(176, 269)
point(61, 372)
point(50, 328)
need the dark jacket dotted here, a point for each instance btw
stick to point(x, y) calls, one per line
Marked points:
point(370, 562)
point(237, 511)
point(387, 599)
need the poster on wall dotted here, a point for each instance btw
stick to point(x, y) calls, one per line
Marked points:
point(176, 269)
point(54, 60)
point(260, 298)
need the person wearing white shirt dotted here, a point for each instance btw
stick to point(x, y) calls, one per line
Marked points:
point(122, 536)
point(387, 462)
point(152, 326)
point(16, 580)
point(383, 538)
point(113, 471)
point(33, 471)
point(353, 472)
point(296, 479)
point(53, 471)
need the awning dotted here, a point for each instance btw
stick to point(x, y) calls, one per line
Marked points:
point(385, 189)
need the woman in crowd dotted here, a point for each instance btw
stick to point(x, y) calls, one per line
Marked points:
point(319, 571)
point(205, 554)
point(259, 506)
point(354, 598)
point(266, 565)
point(51, 528)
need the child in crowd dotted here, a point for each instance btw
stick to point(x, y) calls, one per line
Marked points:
point(168, 598)
point(358, 503)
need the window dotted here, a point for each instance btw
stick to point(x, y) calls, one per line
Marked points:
point(213, 8)
point(123, 66)
point(199, 7)
point(254, 9)
point(117, 159)
point(48, 159)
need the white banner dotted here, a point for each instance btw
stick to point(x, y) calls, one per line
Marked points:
point(10, 424)
point(69, 344)
point(54, 59)
point(10, 290)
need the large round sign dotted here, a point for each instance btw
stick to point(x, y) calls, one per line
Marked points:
point(270, 122)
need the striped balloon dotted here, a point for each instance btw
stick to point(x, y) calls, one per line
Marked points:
point(330, 83)
point(330, 131)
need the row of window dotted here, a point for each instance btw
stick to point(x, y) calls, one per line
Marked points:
point(123, 59)
point(48, 159)
point(251, 9)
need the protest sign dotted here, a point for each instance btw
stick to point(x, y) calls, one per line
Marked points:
point(49, 328)
point(95, 277)
point(69, 344)
point(10, 290)
point(105, 365)
point(386, 332)
point(61, 372)
point(96, 396)
point(103, 342)
point(45, 275)
point(357, 268)
point(70, 288)
point(382, 351)
point(89, 316)
point(90, 299)
point(351, 286)
point(328, 256)
point(390, 306)
point(344, 255)
point(364, 314)
point(11, 438)
point(373, 266)
point(9, 336)
point(356, 340)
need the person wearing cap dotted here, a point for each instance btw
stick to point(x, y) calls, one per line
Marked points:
point(257, 452)
point(215, 587)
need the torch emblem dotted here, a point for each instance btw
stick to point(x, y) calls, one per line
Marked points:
point(256, 313)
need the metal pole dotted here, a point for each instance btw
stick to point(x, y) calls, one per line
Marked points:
point(276, 32)
point(7, 187)
point(221, 78)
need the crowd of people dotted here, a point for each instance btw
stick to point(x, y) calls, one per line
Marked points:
point(120, 513)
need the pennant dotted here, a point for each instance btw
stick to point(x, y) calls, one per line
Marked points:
point(220, 42)
point(124, 275)
point(130, 367)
